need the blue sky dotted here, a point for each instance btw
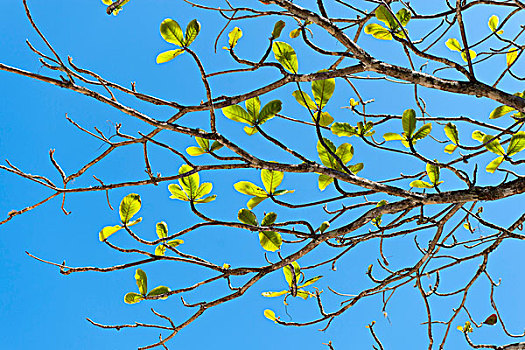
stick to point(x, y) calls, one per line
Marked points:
point(42, 309)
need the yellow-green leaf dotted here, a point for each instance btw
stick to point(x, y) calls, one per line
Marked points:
point(132, 298)
point(166, 56)
point(286, 56)
point(129, 206)
point(142, 281)
point(171, 32)
point(269, 314)
point(378, 31)
point(517, 143)
point(453, 44)
point(234, 36)
point(270, 240)
point(162, 229)
point(277, 29)
point(192, 30)
point(493, 22)
point(511, 56)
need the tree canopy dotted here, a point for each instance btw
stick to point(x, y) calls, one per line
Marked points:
point(295, 173)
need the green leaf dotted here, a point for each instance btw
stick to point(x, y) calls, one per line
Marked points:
point(343, 129)
point(494, 146)
point(493, 22)
point(295, 33)
point(517, 143)
point(423, 132)
point(129, 206)
point(324, 181)
point(500, 111)
point(304, 294)
point(304, 100)
point(274, 294)
point(277, 29)
point(269, 111)
point(325, 120)
point(491, 320)
point(403, 16)
point(206, 199)
point(250, 130)
point(238, 114)
point(234, 36)
point(421, 184)
point(378, 31)
point(453, 44)
point(203, 143)
point(433, 173)
point(189, 183)
point(132, 298)
point(345, 152)
point(250, 189)
point(392, 136)
point(162, 229)
point(142, 281)
point(478, 135)
point(269, 219)
point(281, 192)
point(384, 15)
point(255, 201)
point(326, 158)
point(160, 250)
point(166, 56)
point(108, 231)
point(324, 226)
point(409, 122)
point(203, 190)
point(171, 32)
point(286, 56)
point(511, 56)
point(472, 55)
point(215, 146)
point(247, 217)
point(450, 148)
point(195, 151)
point(452, 133)
point(175, 242)
point(177, 192)
point(492, 166)
point(356, 168)
point(192, 30)
point(253, 106)
point(310, 281)
point(271, 179)
point(159, 291)
point(323, 90)
point(269, 314)
point(288, 273)
point(270, 241)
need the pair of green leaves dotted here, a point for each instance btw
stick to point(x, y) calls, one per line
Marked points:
point(409, 122)
point(292, 274)
point(189, 188)
point(269, 240)
point(452, 133)
point(493, 24)
point(118, 8)
point(271, 180)
point(378, 219)
point(345, 152)
point(142, 284)
point(204, 147)
point(345, 129)
point(129, 206)
point(453, 44)
point(253, 115)
point(516, 144)
point(322, 91)
point(433, 175)
point(384, 15)
point(172, 33)
point(286, 56)
point(162, 233)
point(502, 110)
